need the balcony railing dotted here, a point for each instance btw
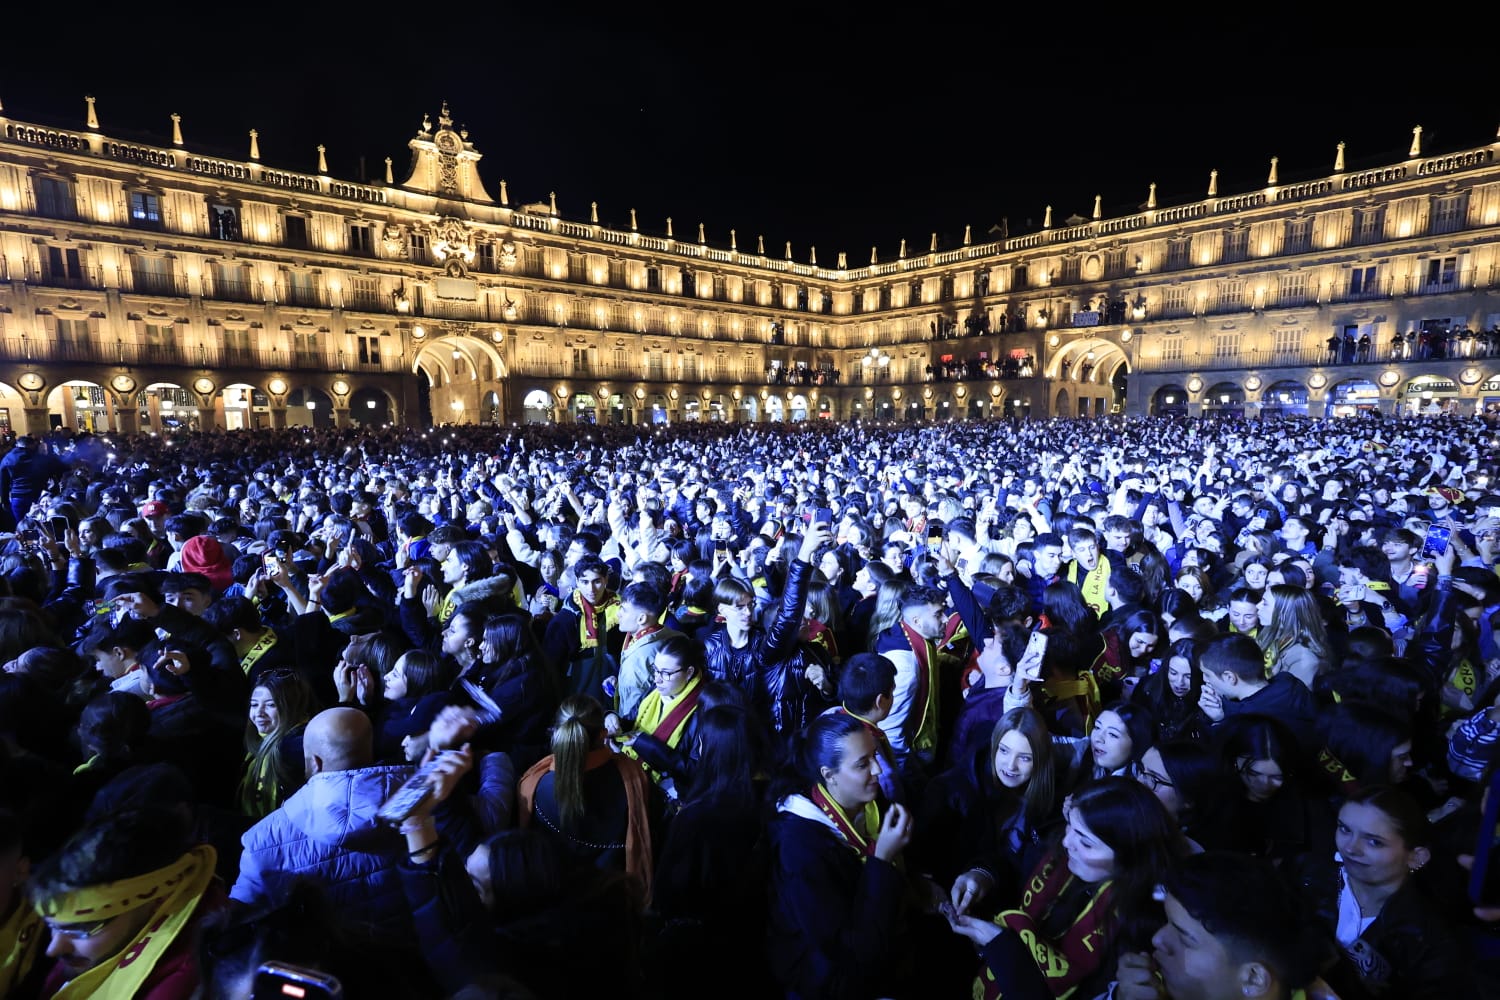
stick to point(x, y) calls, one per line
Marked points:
point(178, 354)
point(88, 278)
point(305, 296)
point(151, 283)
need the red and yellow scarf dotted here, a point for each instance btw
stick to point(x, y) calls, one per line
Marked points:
point(1066, 961)
point(860, 841)
point(924, 705)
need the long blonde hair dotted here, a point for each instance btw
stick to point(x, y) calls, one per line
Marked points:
point(887, 608)
point(580, 721)
point(1294, 617)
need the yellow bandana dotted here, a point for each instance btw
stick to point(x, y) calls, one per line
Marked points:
point(177, 887)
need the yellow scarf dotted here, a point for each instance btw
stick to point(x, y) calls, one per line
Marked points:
point(21, 940)
point(1092, 584)
point(655, 710)
point(177, 887)
point(255, 652)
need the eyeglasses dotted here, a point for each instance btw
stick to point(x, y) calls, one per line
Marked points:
point(79, 932)
point(662, 675)
point(1151, 779)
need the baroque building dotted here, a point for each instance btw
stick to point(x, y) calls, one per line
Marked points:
point(146, 287)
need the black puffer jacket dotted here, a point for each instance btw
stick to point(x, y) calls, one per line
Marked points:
point(770, 667)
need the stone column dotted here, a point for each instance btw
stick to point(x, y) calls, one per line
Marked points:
point(35, 420)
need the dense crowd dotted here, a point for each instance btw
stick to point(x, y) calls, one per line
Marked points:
point(1141, 708)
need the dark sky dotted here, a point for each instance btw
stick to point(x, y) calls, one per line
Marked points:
point(816, 133)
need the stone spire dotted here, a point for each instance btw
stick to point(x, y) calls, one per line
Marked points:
point(390, 177)
point(814, 260)
point(1416, 140)
point(700, 233)
point(843, 261)
point(669, 228)
point(788, 249)
point(1213, 183)
point(1047, 219)
point(1271, 180)
point(932, 247)
point(734, 240)
point(632, 220)
point(1098, 207)
point(1151, 196)
point(760, 244)
point(504, 194)
point(594, 212)
point(1338, 159)
point(873, 261)
point(968, 235)
point(322, 158)
point(176, 130)
point(552, 197)
point(93, 116)
point(902, 253)
point(254, 144)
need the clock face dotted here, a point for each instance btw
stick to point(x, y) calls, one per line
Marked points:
point(32, 381)
point(204, 386)
point(122, 383)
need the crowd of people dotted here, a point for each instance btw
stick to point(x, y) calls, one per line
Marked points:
point(1147, 708)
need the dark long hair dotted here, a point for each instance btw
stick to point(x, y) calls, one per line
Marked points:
point(730, 750)
point(1125, 816)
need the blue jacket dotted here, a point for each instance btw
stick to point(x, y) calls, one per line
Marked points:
point(327, 832)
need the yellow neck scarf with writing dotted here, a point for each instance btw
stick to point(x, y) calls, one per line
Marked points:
point(176, 889)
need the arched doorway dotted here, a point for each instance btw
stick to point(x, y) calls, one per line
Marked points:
point(584, 408)
point(775, 409)
point(751, 409)
point(659, 412)
point(1169, 401)
point(1355, 395)
point(1284, 399)
point(1224, 399)
point(79, 406)
point(309, 406)
point(369, 407)
point(617, 410)
point(1429, 395)
point(12, 410)
point(245, 407)
point(1064, 406)
point(536, 408)
point(799, 408)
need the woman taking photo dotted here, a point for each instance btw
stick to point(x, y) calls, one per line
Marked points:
point(1090, 898)
point(836, 892)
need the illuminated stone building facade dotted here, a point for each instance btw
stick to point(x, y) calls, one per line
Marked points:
point(146, 287)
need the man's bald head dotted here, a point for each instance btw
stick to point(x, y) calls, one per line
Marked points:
point(338, 739)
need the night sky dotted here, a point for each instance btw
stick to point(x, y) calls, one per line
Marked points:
point(818, 133)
